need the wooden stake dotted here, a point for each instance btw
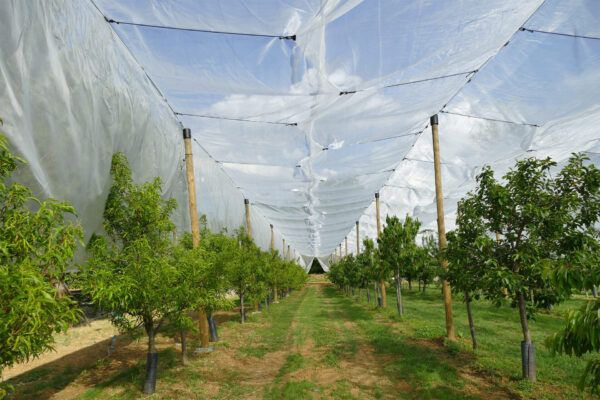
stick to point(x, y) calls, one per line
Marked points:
point(189, 164)
point(346, 240)
point(283, 249)
point(289, 253)
point(382, 282)
point(506, 296)
point(248, 225)
point(357, 240)
point(272, 238)
point(441, 225)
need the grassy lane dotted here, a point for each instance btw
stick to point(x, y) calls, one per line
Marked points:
point(343, 350)
point(320, 344)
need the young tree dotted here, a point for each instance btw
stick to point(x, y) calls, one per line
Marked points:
point(35, 249)
point(131, 272)
point(367, 260)
point(240, 267)
point(468, 258)
point(538, 217)
point(428, 261)
point(398, 250)
point(200, 284)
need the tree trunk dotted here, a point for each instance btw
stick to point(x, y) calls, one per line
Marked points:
point(383, 295)
point(523, 316)
point(359, 293)
point(151, 360)
point(184, 354)
point(527, 354)
point(212, 326)
point(368, 293)
point(595, 291)
point(424, 286)
point(531, 298)
point(398, 292)
point(275, 294)
point(419, 285)
point(471, 324)
point(242, 311)
point(409, 284)
point(352, 290)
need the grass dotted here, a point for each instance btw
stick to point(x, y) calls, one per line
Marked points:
point(499, 335)
point(319, 343)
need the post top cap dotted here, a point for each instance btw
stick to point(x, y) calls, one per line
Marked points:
point(271, 225)
point(246, 201)
point(376, 195)
point(187, 133)
point(434, 119)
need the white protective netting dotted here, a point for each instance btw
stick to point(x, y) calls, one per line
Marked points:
point(307, 129)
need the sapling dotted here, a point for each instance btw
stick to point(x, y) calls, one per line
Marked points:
point(130, 271)
point(37, 244)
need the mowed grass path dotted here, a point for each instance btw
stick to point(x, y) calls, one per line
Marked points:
point(320, 344)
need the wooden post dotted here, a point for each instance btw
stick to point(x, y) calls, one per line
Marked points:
point(346, 240)
point(248, 225)
point(272, 238)
point(283, 249)
point(506, 297)
point(189, 164)
point(249, 228)
point(382, 282)
point(340, 250)
point(441, 225)
point(357, 240)
point(289, 253)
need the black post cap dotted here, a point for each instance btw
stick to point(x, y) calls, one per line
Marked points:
point(271, 225)
point(187, 133)
point(246, 201)
point(434, 119)
point(377, 195)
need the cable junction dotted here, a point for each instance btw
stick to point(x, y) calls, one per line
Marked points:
point(283, 37)
point(490, 119)
point(237, 119)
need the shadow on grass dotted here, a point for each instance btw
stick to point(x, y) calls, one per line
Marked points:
point(44, 381)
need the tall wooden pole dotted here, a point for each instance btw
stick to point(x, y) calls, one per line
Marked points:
point(357, 240)
point(289, 253)
point(441, 225)
point(506, 297)
point(189, 164)
point(346, 240)
point(248, 224)
point(340, 251)
point(249, 228)
point(273, 248)
point(283, 249)
point(382, 282)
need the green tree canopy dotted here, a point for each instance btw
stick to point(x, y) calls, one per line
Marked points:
point(37, 244)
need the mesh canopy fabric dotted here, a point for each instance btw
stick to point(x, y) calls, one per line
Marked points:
point(306, 108)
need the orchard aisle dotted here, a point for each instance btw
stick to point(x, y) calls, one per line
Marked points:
point(315, 344)
point(319, 344)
